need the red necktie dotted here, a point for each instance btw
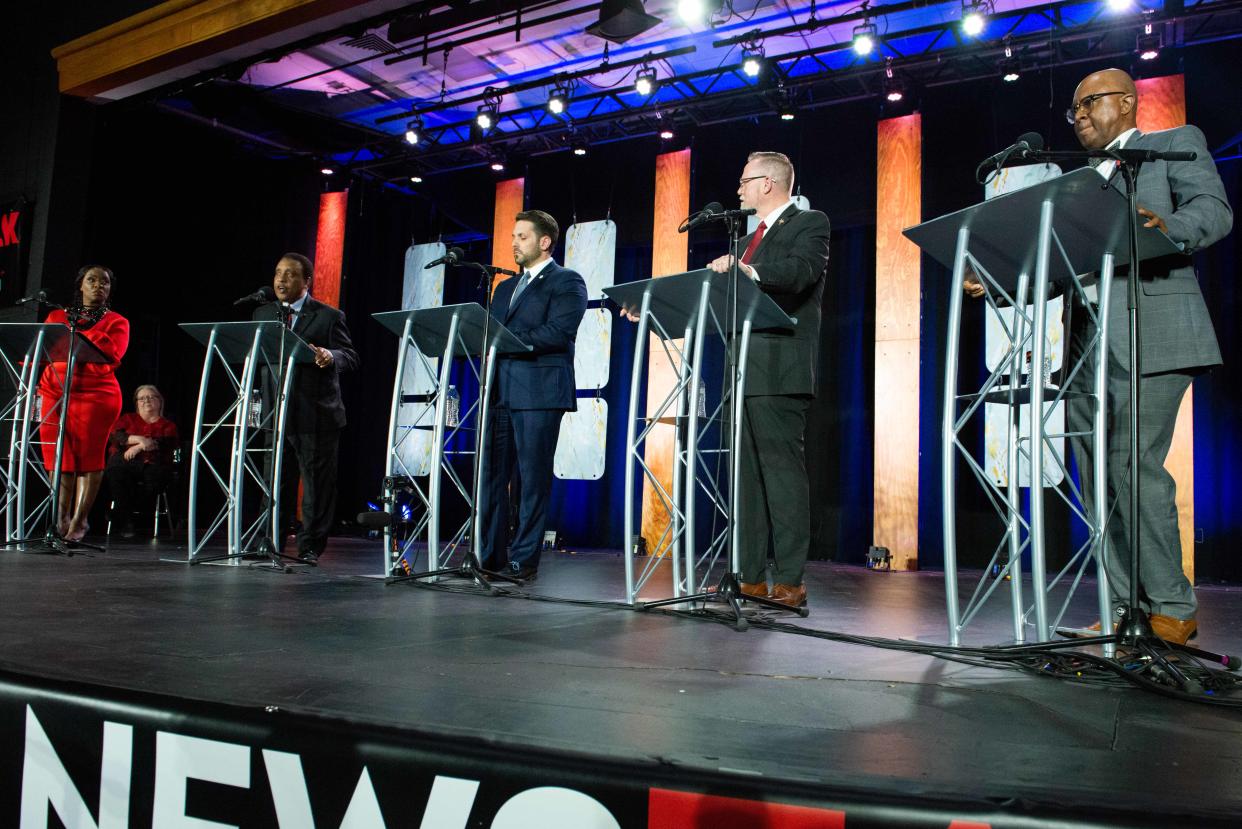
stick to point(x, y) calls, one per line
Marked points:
point(754, 243)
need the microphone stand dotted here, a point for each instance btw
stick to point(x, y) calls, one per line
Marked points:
point(471, 569)
point(52, 540)
point(1134, 631)
point(728, 590)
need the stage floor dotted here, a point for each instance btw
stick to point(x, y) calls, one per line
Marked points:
point(645, 687)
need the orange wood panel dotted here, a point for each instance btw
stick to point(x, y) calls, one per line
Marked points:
point(510, 200)
point(1162, 106)
point(899, 199)
point(330, 247)
point(174, 34)
point(670, 255)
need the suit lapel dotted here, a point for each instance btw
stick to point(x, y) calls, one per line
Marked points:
point(775, 229)
point(534, 283)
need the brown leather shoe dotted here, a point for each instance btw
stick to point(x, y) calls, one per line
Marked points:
point(791, 595)
point(758, 588)
point(1177, 631)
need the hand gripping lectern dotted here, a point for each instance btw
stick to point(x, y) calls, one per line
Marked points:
point(447, 332)
point(25, 349)
point(251, 425)
point(1064, 232)
point(684, 311)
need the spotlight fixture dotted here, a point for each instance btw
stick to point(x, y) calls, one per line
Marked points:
point(498, 166)
point(1148, 43)
point(1119, 5)
point(645, 82)
point(558, 100)
point(485, 117)
point(414, 131)
point(326, 170)
point(1011, 70)
point(786, 112)
point(696, 11)
point(892, 86)
point(974, 15)
point(864, 39)
point(752, 61)
point(666, 134)
point(580, 150)
point(416, 179)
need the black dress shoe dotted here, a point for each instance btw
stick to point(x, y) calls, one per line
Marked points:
point(309, 556)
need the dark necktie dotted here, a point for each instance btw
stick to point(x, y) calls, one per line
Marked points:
point(523, 281)
point(754, 243)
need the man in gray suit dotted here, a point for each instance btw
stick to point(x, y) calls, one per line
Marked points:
point(787, 257)
point(1186, 200)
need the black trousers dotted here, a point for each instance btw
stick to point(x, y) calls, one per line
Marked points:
point(135, 484)
point(310, 457)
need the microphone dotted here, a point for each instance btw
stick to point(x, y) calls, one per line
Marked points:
point(374, 520)
point(1027, 143)
point(453, 256)
point(264, 294)
point(505, 271)
point(702, 217)
point(38, 296)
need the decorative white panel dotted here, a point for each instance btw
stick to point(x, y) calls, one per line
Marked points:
point(580, 448)
point(591, 250)
point(420, 289)
point(592, 349)
point(996, 452)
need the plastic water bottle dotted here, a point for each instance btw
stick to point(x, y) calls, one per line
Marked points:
point(255, 416)
point(452, 408)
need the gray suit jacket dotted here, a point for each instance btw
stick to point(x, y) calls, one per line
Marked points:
point(1176, 329)
point(792, 261)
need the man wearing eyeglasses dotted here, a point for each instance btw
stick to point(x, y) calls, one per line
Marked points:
point(787, 257)
point(1186, 200)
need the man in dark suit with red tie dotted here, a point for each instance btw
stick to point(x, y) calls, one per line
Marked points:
point(542, 306)
point(787, 257)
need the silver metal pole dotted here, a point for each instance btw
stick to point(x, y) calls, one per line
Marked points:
point(1039, 582)
point(237, 462)
point(22, 433)
point(196, 447)
point(1014, 490)
point(631, 449)
point(489, 370)
point(403, 347)
point(692, 435)
point(1099, 465)
point(437, 449)
point(735, 457)
point(948, 434)
point(679, 546)
point(278, 457)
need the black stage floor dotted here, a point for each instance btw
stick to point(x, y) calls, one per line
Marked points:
point(639, 687)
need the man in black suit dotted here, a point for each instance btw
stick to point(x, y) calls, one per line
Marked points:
point(787, 257)
point(316, 415)
point(542, 306)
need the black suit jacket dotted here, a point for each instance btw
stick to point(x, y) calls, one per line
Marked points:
point(546, 316)
point(315, 397)
point(792, 261)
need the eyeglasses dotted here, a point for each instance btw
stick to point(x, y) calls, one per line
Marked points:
point(741, 182)
point(149, 399)
point(1086, 103)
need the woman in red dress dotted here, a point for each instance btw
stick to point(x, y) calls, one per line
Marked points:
point(94, 400)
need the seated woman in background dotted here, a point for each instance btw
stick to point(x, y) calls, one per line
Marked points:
point(140, 462)
point(94, 400)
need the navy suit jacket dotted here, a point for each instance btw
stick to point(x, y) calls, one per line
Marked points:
point(546, 317)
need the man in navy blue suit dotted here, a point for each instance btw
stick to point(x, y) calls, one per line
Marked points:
point(542, 306)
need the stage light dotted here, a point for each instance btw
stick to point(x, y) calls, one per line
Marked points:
point(416, 179)
point(692, 11)
point(414, 131)
point(498, 166)
point(620, 20)
point(645, 82)
point(1011, 70)
point(864, 39)
point(558, 100)
point(974, 14)
point(1148, 44)
point(326, 170)
point(1119, 5)
point(485, 117)
point(580, 150)
point(667, 134)
point(893, 91)
point(752, 61)
point(787, 112)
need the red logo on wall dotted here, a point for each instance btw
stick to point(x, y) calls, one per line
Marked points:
point(8, 228)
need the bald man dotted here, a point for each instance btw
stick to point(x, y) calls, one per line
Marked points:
point(1186, 200)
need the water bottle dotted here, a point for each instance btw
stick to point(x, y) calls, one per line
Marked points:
point(256, 409)
point(452, 408)
point(702, 405)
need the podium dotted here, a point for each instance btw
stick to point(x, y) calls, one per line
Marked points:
point(25, 349)
point(447, 332)
point(1020, 245)
point(686, 308)
point(248, 423)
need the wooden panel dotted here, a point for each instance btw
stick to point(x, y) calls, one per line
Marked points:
point(1162, 106)
point(899, 197)
point(330, 247)
point(669, 255)
point(510, 201)
point(174, 34)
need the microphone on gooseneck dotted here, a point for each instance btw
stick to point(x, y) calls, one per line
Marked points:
point(264, 294)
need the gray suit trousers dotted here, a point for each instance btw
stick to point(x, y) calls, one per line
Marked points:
point(1163, 587)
